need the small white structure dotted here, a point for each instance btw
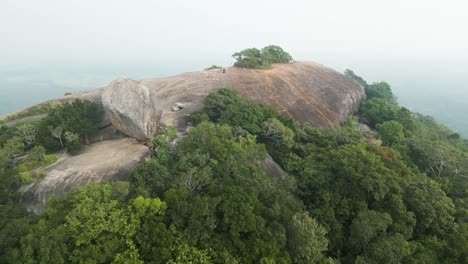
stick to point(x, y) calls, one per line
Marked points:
point(177, 106)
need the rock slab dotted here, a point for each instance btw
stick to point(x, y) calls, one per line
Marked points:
point(106, 160)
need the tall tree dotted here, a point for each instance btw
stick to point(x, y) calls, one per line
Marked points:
point(27, 132)
point(306, 239)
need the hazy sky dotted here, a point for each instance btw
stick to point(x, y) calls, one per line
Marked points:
point(105, 32)
point(49, 47)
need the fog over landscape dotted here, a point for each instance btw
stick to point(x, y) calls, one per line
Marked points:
point(51, 47)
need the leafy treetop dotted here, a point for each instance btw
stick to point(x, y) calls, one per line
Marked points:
point(253, 58)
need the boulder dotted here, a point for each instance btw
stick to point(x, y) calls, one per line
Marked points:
point(131, 108)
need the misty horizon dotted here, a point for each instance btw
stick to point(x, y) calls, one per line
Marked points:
point(52, 47)
point(436, 89)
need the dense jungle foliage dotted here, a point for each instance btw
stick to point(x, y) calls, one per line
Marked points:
point(395, 193)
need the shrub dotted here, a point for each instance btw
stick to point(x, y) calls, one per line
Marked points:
point(37, 154)
point(32, 164)
point(391, 132)
point(377, 111)
point(31, 111)
point(41, 175)
point(380, 90)
point(82, 118)
point(213, 67)
point(72, 142)
point(249, 58)
point(25, 178)
point(275, 54)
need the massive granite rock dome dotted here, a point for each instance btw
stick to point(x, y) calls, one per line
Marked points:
point(309, 92)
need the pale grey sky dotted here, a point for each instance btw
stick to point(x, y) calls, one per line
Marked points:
point(49, 47)
point(135, 31)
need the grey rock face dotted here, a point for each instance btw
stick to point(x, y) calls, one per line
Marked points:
point(106, 160)
point(272, 169)
point(131, 108)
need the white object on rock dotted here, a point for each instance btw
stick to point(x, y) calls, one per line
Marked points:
point(179, 105)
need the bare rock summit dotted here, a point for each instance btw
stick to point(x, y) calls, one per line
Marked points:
point(309, 92)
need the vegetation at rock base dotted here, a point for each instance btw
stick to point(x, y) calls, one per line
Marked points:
point(23, 149)
point(69, 125)
point(65, 126)
point(254, 58)
point(341, 199)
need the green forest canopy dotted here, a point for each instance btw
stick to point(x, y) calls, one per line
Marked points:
point(343, 197)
